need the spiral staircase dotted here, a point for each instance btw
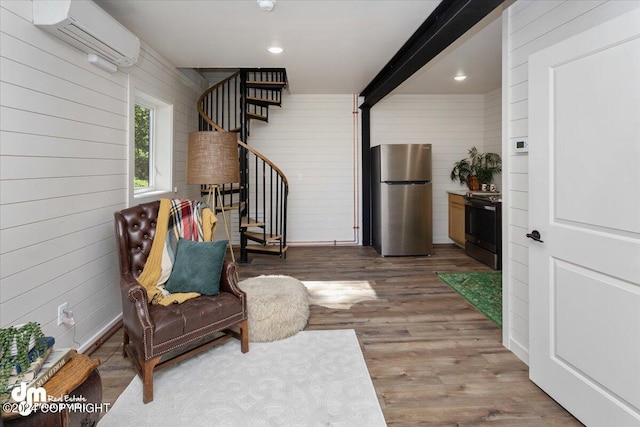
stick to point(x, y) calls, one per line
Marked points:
point(260, 198)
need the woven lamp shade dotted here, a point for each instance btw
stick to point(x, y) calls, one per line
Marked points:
point(212, 158)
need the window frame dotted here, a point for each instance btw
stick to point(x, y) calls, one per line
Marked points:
point(161, 146)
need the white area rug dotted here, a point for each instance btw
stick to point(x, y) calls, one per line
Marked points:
point(315, 378)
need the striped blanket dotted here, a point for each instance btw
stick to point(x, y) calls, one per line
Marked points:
point(177, 218)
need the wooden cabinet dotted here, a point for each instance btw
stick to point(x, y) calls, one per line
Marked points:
point(456, 219)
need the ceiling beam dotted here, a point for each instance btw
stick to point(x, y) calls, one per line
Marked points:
point(449, 20)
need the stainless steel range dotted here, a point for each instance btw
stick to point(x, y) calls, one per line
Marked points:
point(483, 227)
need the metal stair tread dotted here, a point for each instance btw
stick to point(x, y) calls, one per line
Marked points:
point(263, 84)
point(261, 237)
point(263, 101)
point(230, 190)
point(251, 222)
point(257, 116)
point(271, 249)
point(232, 206)
point(266, 82)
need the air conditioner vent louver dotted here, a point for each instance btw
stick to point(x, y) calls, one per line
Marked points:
point(92, 44)
point(84, 25)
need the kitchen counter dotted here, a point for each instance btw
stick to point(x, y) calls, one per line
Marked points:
point(463, 192)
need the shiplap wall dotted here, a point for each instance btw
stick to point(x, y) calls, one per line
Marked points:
point(64, 165)
point(451, 123)
point(531, 26)
point(493, 126)
point(313, 140)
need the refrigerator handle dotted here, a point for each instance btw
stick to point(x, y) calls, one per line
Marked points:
point(406, 182)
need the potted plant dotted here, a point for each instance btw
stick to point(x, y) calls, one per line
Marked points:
point(478, 168)
point(15, 344)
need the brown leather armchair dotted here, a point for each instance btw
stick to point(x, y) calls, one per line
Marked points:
point(157, 336)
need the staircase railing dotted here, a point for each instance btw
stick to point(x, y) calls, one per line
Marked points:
point(219, 106)
point(266, 205)
point(261, 197)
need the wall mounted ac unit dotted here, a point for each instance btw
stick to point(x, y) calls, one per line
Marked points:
point(84, 25)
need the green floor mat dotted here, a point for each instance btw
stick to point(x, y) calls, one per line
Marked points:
point(482, 289)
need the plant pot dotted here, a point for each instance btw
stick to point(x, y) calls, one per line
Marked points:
point(473, 183)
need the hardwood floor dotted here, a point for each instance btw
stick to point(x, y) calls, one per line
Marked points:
point(433, 358)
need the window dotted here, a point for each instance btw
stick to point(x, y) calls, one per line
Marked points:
point(151, 171)
point(143, 177)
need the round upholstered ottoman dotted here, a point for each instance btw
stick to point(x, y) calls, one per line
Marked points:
point(277, 306)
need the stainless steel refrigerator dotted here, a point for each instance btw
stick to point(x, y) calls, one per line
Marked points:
point(401, 199)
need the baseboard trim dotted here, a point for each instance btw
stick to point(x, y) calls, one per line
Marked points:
point(99, 338)
point(517, 349)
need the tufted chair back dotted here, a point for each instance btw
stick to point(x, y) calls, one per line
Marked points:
point(135, 228)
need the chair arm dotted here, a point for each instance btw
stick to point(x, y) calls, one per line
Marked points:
point(135, 304)
point(228, 280)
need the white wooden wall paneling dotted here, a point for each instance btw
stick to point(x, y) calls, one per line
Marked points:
point(155, 70)
point(45, 168)
point(34, 233)
point(55, 265)
point(37, 210)
point(519, 199)
point(311, 138)
point(64, 164)
point(534, 9)
point(53, 106)
point(519, 110)
point(73, 287)
point(548, 18)
point(97, 308)
point(493, 123)
point(31, 256)
point(519, 92)
point(568, 19)
point(23, 190)
point(21, 121)
point(31, 145)
point(28, 77)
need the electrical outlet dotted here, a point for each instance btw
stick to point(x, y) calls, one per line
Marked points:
point(61, 309)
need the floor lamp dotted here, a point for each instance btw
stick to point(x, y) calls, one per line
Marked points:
point(212, 159)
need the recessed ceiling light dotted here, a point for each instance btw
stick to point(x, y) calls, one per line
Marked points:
point(460, 77)
point(267, 5)
point(275, 49)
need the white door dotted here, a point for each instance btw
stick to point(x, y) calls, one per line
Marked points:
point(584, 182)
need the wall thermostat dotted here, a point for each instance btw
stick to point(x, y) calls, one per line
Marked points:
point(521, 146)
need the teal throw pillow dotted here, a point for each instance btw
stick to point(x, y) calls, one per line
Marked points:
point(197, 267)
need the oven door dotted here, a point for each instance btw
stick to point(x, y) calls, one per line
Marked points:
point(481, 224)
